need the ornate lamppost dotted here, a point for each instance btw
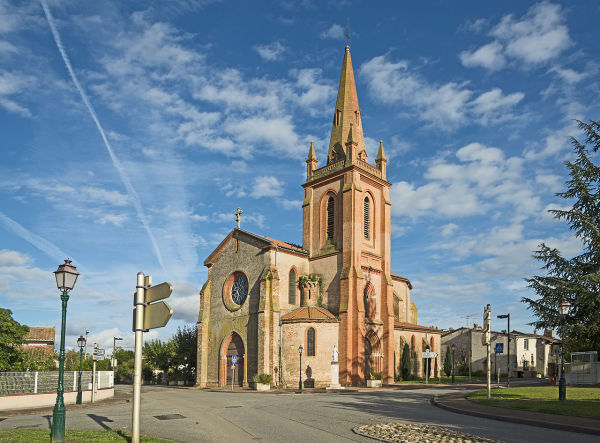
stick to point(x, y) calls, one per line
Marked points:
point(66, 275)
point(81, 343)
point(563, 309)
point(300, 349)
point(453, 349)
point(507, 316)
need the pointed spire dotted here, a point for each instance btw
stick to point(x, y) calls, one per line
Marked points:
point(311, 152)
point(346, 112)
point(380, 153)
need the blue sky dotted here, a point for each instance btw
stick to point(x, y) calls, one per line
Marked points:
point(132, 130)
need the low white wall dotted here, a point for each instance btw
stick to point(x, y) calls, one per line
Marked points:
point(26, 401)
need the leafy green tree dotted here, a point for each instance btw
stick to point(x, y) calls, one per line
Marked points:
point(72, 360)
point(36, 360)
point(185, 341)
point(448, 362)
point(576, 279)
point(12, 335)
point(406, 362)
point(126, 360)
point(160, 355)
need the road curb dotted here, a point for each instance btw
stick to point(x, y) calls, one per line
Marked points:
point(435, 400)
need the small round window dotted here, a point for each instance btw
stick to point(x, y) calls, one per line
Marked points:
point(239, 290)
point(235, 290)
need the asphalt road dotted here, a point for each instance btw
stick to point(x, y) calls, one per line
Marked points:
point(188, 415)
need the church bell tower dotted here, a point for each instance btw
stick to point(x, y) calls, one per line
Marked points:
point(346, 230)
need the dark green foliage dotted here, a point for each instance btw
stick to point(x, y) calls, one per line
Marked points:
point(576, 279)
point(406, 362)
point(448, 362)
point(12, 334)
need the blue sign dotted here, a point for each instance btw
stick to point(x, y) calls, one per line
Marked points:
point(499, 349)
point(234, 359)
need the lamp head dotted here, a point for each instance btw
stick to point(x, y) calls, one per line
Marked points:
point(564, 307)
point(300, 349)
point(66, 276)
point(81, 341)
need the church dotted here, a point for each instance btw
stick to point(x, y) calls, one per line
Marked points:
point(287, 310)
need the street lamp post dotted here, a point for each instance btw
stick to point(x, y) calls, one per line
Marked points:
point(114, 360)
point(81, 344)
point(66, 275)
point(563, 309)
point(300, 349)
point(453, 349)
point(507, 317)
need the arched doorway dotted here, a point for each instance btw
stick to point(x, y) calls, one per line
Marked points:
point(229, 374)
point(373, 355)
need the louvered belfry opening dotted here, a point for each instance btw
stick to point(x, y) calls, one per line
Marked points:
point(310, 342)
point(330, 218)
point(366, 218)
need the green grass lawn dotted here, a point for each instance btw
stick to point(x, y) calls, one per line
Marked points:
point(43, 436)
point(448, 380)
point(584, 402)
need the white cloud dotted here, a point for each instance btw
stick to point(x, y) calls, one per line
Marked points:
point(113, 219)
point(115, 198)
point(335, 31)
point(569, 75)
point(12, 85)
point(446, 106)
point(536, 38)
point(270, 52)
point(488, 56)
point(13, 258)
point(267, 186)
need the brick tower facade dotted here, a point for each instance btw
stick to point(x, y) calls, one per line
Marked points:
point(346, 231)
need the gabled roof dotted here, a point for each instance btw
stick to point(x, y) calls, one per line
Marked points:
point(40, 334)
point(405, 326)
point(308, 313)
point(268, 243)
point(401, 278)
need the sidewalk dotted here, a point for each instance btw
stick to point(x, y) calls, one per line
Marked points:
point(119, 398)
point(456, 402)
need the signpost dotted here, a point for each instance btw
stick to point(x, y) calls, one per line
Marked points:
point(485, 338)
point(98, 354)
point(146, 316)
point(427, 355)
point(498, 349)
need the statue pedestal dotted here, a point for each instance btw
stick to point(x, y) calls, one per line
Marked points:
point(335, 376)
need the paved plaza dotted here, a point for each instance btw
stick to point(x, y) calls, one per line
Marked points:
point(190, 415)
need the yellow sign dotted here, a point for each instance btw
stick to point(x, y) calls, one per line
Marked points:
point(157, 315)
point(158, 292)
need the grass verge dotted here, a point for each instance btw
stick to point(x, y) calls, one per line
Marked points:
point(445, 380)
point(72, 435)
point(583, 402)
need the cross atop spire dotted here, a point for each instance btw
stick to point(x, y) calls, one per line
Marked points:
point(347, 32)
point(238, 217)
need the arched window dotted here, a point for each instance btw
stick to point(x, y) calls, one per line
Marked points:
point(292, 287)
point(310, 342)
point(366, 218)
point(366, 300)
point(330, 217)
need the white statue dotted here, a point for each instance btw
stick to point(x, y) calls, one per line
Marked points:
point(334, 354)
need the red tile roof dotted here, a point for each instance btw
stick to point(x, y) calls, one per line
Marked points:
point(40, 334)
point(402, 278)
point(414, 327)
point(308, 313)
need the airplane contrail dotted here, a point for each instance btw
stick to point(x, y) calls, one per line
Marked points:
point(42, 244)
point(117, 164)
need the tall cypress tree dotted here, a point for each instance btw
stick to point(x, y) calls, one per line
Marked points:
point(576, 279)
point(406, 362)
point(448, 362)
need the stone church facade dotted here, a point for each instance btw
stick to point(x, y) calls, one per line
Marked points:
point(265, 298)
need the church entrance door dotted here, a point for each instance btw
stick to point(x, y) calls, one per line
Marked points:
point(373, 355)
point(233, 347)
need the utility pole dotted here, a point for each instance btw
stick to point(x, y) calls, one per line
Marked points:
point(86, 334)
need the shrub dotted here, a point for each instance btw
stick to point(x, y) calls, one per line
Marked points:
point(263, 378)
point(375, 376)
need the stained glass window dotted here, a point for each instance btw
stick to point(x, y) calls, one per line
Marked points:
point(239, 290)
point(310, 342)
point(292, 288)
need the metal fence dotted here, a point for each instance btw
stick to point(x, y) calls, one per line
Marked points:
point(15, 383)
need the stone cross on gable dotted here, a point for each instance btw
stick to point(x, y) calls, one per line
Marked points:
point(238, 217)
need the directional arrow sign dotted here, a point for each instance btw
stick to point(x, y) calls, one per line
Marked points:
point(157, 315)
point(158, 292)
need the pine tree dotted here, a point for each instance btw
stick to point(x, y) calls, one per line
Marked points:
point(406, 362)
point(448, 362)
point(575, 279)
